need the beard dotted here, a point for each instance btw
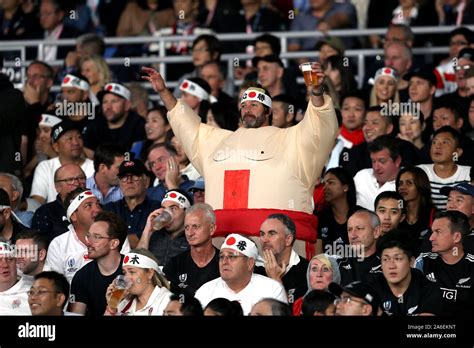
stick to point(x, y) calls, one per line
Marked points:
point(252, 121)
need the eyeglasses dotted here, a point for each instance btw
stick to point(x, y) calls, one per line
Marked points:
point(70, 181)
point(94, 238)
point(462, 67)
point(230, 257)
point(40, 292)
point(347, 299)
point(134, 178)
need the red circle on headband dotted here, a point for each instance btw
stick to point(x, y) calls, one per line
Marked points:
point(66, 79)
point(125, 260)
point(387, 71)
point(109, 87)
point(252, 94)
point(173, 195)
point(185, 85)
point(230, 241)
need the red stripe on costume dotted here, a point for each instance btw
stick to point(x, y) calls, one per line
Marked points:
point(248, 221)
point(236, 189)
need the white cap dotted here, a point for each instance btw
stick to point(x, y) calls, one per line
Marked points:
point(48, 120)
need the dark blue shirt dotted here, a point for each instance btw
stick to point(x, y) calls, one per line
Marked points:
point(136, 219)
point(50, 219)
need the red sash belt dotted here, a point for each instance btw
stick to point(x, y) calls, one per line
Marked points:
point(248, 222)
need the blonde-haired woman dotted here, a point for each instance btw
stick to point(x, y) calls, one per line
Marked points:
point(148, 293)
point(385, 87)
point(322, 270)
point(97, 72)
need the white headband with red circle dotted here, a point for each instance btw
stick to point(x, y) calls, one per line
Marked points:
point(118, 89)
point(74, 81)
point(257, 94)
point(140, 261)
point(194, 89)
point(76, 202)
point(178, 198)
point(241, 244)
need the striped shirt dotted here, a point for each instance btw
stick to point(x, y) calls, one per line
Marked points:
point(461, 175)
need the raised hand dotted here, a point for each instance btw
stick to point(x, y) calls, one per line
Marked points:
point(158, 84)
point(272, 268)
point(155, 78)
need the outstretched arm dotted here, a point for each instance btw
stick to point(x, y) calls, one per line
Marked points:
point(158, 84)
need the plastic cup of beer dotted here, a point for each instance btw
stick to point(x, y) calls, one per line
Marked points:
point(121, 284)
point(310, 77)
point(162, 220)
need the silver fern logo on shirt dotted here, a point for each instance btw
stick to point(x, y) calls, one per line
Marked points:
point(462, 281)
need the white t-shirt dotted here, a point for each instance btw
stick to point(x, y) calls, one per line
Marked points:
point(67, 254)
point(43, 179)
point(258, 288)
point(367, 188)
point(156, 304)
point(461, 175)
point(14, 301)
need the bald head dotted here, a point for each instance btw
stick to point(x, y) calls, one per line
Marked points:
point(67, 178)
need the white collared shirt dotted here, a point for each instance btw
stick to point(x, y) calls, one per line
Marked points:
point(50, 51)
point(367, 188)
point(294, 260)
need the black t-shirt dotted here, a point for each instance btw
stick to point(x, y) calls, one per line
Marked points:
point(333, 234)
point(89, 286)
point(186, 277)
point(421, 296)
point(131, 131)
point(456, 282)
point(295, 282)
point(352, 269)
point(164, 248)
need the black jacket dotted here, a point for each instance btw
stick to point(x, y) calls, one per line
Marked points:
point(12, 111)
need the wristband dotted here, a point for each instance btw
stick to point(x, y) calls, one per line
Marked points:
point(318, 94)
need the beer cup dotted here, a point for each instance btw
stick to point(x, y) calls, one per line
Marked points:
point(310, 77)
point(121, 284)
point(162, 220)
